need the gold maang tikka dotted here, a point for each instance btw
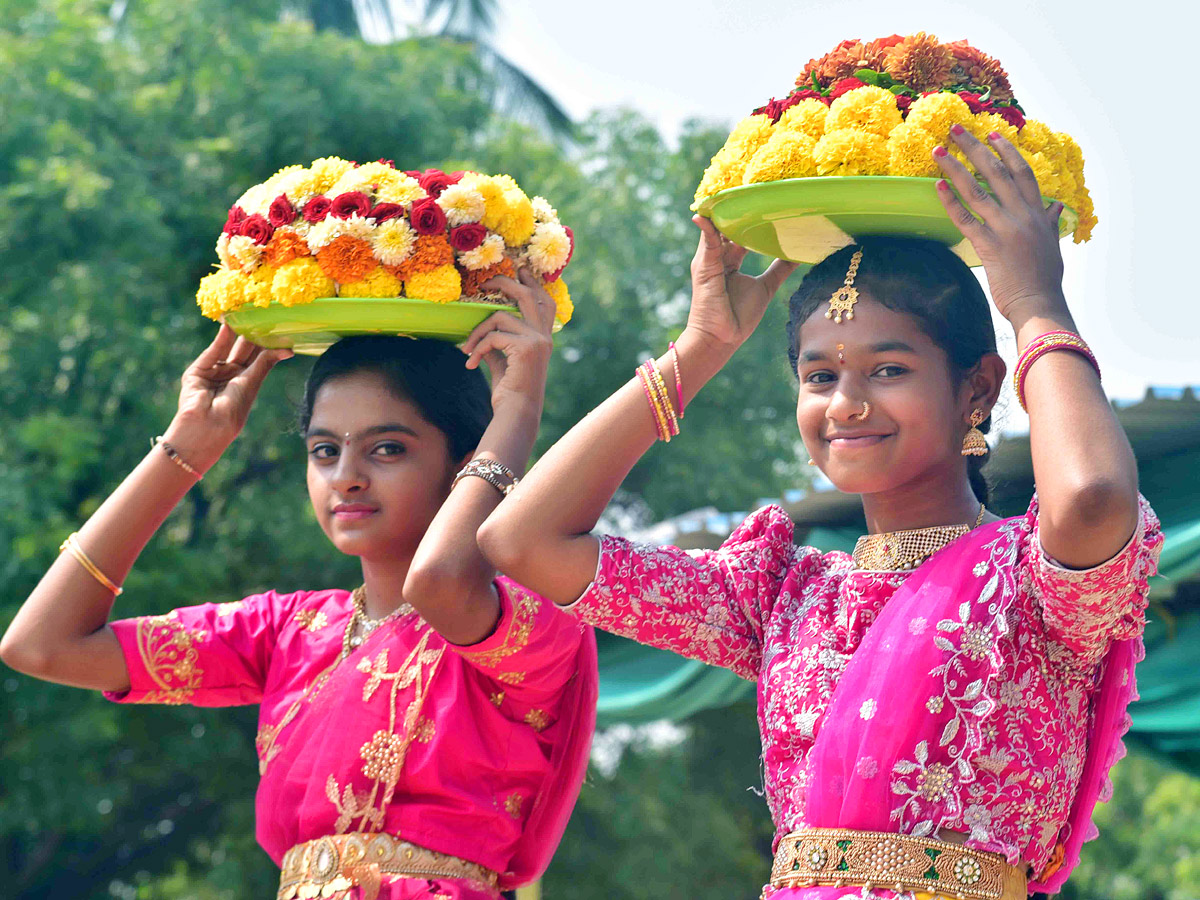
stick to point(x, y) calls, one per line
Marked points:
point(846, 296)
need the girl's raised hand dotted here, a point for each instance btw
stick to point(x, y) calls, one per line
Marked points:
point(1015, 236)
point(516, 350)
point(727, 305)
point(217, 392)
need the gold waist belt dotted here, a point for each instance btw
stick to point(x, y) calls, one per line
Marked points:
point(329, 865)
point(897, 862)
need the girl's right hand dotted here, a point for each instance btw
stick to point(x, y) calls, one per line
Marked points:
point(216, 395)
point(727, 305)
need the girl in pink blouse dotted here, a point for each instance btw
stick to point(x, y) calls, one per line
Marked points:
point(939, 710)
point(425, 735)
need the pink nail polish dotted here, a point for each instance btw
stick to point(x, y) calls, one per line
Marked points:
point(995, 135)
point(939, 150)
point(956, 129)
point(942, 185)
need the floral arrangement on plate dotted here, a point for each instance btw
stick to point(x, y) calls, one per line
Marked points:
point(880, 107)
point(340, 229)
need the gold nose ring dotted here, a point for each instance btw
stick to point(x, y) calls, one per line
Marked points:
point(862, 416)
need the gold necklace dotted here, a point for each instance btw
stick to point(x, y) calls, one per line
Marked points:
point(360, 621)
point(896, 551)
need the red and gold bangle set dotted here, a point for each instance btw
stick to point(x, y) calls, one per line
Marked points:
point(666, 419)
point(1047, 343)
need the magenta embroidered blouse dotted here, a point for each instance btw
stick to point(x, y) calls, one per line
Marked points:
point(991, 741)
point(477, 752)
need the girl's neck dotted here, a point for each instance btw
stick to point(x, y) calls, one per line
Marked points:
point(938, 498)
point(384, 579)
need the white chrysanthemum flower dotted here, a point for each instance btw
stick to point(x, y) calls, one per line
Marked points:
point(400, 188)
point(272, 184)
point(324, 232)
point(363, 179)
point(548, 248)
point(543, 211)
point(461, 204)
point(244, 253)
point(256, 200)
point(393, 241)
point(223, 253)
point(299, 185)
point(358, 227)
point(490, 252)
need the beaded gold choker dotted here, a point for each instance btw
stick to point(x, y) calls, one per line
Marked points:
point(898, 551)
point(360, 626)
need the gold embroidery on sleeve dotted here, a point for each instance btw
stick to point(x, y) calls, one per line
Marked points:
point(520, 627)
point(311, 619)
point(168, 652)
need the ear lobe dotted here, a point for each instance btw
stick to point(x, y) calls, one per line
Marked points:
point(987, 380)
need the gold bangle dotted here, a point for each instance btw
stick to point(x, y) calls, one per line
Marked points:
point(173, 455)
point(660, 417)
point(71, 545)
point(495, 473)
point(660, 388)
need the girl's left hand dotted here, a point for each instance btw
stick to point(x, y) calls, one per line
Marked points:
point(516, 350)
point(1015, 236)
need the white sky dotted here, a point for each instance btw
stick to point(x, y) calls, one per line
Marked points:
point(1119, 78)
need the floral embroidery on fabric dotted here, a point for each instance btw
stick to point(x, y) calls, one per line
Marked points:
point(311, 619)
point(512, 805)
point(225, 609)
point(266, 741)
point(384, 754)
point(524, 607)
point(168, 652)
point(537, 719)
point(496, 699)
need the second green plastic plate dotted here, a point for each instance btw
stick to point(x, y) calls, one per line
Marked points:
point(806, 219)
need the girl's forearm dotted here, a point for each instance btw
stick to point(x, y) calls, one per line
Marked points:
point(1083, 465)
point(540, 534)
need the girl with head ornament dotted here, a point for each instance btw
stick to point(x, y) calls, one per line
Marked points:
point(425, 734)
point(955, 689)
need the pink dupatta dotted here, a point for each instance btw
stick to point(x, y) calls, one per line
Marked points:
point(885, 760)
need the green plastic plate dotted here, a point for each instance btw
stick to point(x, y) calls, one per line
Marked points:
point(313, 327)
point(806, 219)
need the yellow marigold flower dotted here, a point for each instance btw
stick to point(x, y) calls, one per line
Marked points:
point(807, 117)
point(462, 204)
point(849, 151)
point(983, 124)
point(495, 206)
point(548, 248)
point(517, 224)
point(393, 241)
point(377, 283)
point(1072, 155)
point(1087, 214)
point(257, 288)
point(441, 285)
point(327, 170)
point(400, 188)
point(867, 108)
point(301, 281)
point(364, 178)
point(300, 186)
point(729, 165)
point(787, 154)
point(563, 307)
point(1044, 171)
point(1035, 136)
point(486, 255)
point(220, 292)
point(937, 112)
point(910, 151)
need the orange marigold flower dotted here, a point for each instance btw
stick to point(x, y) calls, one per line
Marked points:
point(876, 51)
point(284, 246)
point(473, 278)
point(431, 251)
point(975, 68)
point(842, 61)
point(346, 258)
point(920, 62)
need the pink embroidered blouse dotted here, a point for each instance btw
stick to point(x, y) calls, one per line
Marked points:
point(476, 752)
point(974, 713)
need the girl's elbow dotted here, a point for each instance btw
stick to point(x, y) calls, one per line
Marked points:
point(496, 542)
point(23, 656)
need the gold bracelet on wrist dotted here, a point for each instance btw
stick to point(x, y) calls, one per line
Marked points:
point(173, 455)
point(495, 473)
point(71, 545)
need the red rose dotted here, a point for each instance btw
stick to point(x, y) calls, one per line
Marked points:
point(351, 203)
point(384, 211)
point(391, 163)
point(281, 212)
point(456, 177)
point(412, 173)
point(427, 217)
point(316, 209)
point(903, 102)
point(435, 181)
point(554, 276)
point(772, 110)
point(810, 94)
point(233, 224)
point(844, 86)
point(257, 228)
point(1012, 116)
point(975, 102)
point(467, 237)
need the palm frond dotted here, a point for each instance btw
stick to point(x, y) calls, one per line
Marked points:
point(466, 18)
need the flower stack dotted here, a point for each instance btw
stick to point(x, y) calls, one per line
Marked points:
point(880, 107)
point(340, 229)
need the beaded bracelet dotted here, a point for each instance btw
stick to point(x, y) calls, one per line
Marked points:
point(495, 473)
point(173, 455)
point(1039, 347)
point(660, 394)
point(71, 545)
point(678, 379)
point(660, 419)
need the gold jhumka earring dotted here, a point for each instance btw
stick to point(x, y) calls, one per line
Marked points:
point(975, 444)
point(846, 296)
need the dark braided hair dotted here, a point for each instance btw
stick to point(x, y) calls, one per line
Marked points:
point(923, 279)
